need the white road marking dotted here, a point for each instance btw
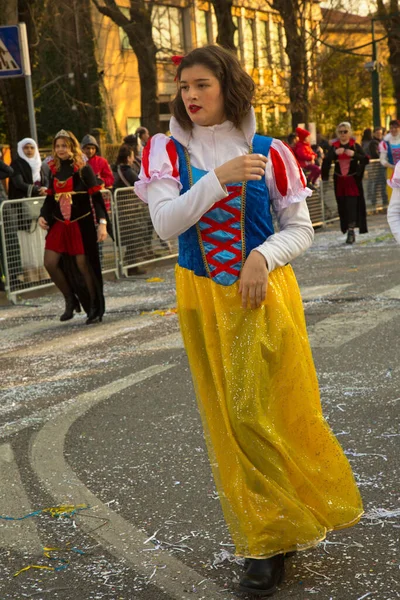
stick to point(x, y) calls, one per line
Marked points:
point(119, 536)
point(56, 410)
point(340, 329)
point(172, 341)
point(79, 338)
point(21, 536)
point(312, 292)
point(392, 293)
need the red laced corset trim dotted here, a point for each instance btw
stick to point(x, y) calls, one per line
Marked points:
point(225, 226)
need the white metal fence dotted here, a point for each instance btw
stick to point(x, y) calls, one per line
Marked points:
point(22, 246)
point(135, 241)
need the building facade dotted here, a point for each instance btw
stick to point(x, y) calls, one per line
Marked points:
point(177, 28)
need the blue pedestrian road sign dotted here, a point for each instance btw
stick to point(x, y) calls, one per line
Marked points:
point(10, 52)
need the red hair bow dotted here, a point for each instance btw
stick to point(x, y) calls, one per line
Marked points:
point(177, 60)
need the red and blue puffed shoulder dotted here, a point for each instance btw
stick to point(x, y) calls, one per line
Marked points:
point(285, 179)
point(159, 161)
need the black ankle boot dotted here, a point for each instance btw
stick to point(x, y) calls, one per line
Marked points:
point(93, 315)
point(351, 236)
point(286, 555)
point(263, 576)
point(71, 305)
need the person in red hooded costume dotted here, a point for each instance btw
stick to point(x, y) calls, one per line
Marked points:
point(306, 156)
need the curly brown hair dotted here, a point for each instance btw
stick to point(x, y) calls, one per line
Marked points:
point(237, 86)
point(76, 153)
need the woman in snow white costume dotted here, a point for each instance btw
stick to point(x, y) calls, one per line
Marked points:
point(282, 477)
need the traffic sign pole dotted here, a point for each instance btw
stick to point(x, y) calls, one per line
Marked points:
point(26, 65)
point(15, 62)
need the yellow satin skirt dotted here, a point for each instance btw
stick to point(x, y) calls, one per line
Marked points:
point(282, 477)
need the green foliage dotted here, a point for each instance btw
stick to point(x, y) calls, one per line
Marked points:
point(345, 92)
point(65, 77)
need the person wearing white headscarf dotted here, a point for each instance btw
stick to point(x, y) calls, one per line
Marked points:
point(28, 180)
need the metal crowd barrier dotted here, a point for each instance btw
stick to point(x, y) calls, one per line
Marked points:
point(135, 244)
point(22, 246)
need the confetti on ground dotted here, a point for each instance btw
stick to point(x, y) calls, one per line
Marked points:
point(63, 511)
point(224, 555)
point(154, 280)
point(47, 554)
point(378, 515)
point(162, 313)
point(357, 454)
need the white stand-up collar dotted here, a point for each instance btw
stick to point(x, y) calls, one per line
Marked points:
point(227, 128)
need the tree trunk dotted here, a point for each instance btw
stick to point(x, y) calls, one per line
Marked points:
point(394, 57)
point(141, 40)
point(297, 54)
point(226, 26)
point(139, 30)
point(390, 17)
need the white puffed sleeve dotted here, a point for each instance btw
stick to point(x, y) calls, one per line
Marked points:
point(383, 154)
point(159, 185)
point(394, 181)
point(393, 214)
point(284, 177)
point(159, 162)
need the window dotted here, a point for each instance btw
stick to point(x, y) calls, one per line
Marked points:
point(248, 43)
point(132, 123)
point(237, 36)
point(276, 54)
point(125, 45)
point(167, 30)
point(202, 33)
point(265, 56)
point(282, 44)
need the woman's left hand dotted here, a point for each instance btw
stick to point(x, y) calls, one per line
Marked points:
point(101, 233)
point(253, 280)
point(349, 152)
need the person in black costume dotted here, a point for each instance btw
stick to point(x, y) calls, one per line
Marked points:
point(350, 161)
point(71, 252)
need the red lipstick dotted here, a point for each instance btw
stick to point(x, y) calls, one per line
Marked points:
point(194, 108)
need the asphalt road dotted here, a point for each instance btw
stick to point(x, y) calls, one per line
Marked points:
point(104, 419)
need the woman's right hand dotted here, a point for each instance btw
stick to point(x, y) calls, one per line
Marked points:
point(43, 223)
point(243, 168)
point(339, 151)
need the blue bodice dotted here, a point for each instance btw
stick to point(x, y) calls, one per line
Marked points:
point(218, 245)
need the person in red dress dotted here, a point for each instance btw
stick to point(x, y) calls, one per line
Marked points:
point(71, 254)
